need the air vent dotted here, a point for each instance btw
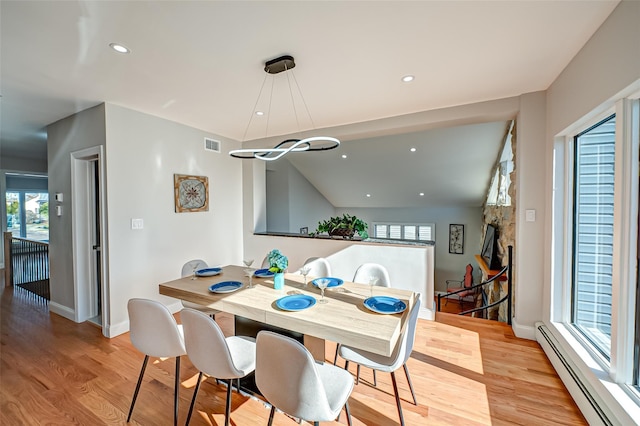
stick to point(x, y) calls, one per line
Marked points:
point(211, 145)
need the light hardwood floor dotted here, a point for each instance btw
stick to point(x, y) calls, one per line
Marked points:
point(465, 372)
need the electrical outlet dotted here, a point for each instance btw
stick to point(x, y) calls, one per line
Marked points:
point(137, 223)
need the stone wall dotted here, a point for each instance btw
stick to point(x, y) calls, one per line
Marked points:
point(504, 218)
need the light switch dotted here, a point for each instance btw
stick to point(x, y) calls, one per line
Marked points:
point(58, 210)
point(530, 215)
point(137, 223)
point(59, 197)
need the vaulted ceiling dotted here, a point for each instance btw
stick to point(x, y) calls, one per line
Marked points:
point(200, 64)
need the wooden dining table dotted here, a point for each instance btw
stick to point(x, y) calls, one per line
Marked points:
point(343, 319)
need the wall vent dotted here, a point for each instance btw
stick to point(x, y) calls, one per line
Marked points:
point(211, 145)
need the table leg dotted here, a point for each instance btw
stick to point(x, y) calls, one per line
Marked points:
point(315, 346)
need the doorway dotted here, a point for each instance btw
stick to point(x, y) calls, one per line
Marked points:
point(89, 248)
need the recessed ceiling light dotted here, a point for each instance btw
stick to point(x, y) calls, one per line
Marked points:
point(119, 48)
point(407, 78)
point(344, 155)
point(368, 195)
point(412, 149)
point(422, 194)
point(259, 113)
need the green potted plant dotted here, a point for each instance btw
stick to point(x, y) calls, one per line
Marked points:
point(344, 226)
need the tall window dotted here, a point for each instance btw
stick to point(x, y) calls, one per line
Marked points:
point(593, 233)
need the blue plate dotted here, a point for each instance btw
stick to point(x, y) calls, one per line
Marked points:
point(295, 302)
point(385, 304)
point(335, 282)
point(263, 273)
point(208, 272)
point(225, 287)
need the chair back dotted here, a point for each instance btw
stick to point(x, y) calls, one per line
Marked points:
point(153, 330)
point(320, 267)
point(403, 349)
point(286, 376)
point(206, 345)
point(196, 264)
point(368, 270)
point(468, 276)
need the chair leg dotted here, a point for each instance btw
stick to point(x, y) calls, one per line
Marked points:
point(273, 411)
point(135, 393)
point(193, 400)
point(335, 358)
point(176, 392)
point(406, 373)
point(346, 410)
point(358, 375)
point(227, 411)
point(346, 365)
point(375, 381)
point(395, 389)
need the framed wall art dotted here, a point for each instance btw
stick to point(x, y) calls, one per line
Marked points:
point(456, 239)
point(191, 193)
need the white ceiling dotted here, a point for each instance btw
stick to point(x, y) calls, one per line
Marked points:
point(200, 63)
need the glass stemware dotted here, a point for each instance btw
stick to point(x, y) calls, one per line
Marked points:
point(247, 262)
point(304, 271)
point(249, 273)
point(373, 280)
point(194, 267)
point(322, 283)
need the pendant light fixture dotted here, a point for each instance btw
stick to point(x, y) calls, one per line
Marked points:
point(314, 143)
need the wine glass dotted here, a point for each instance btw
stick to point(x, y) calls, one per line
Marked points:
point(304, 271)
point(373, 280)
point(247, 262)
point(249, 273)
point(194, 267)
point(322, 283)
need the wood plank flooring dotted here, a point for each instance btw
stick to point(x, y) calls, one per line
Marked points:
point(465, 371)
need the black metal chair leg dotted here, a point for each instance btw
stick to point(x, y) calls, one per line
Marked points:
point(406, 373)
point(358, 375)
point(227, 411)
point(335, 358)
point(375, 381)
point(346, 365)
point(273, 411)
point(135, 393)
point(193, 399)
point(395, 389)
point(346, 409)
point(176, 392)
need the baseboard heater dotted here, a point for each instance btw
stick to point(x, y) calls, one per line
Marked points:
point(580, 390)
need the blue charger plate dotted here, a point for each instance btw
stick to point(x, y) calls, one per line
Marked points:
point(263, 273)
point(385, 305)
point(208, 272)
point(335, 282)
point(225, 287)
point(295, 302)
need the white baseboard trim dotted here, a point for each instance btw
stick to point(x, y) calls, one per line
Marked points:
point(113, 330)
point(523, 331)
point(62, 310)
point(427, 314)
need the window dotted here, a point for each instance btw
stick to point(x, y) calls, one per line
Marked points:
point(593, 233)
point(401, 231)
point(27, 206)
point(595, 298)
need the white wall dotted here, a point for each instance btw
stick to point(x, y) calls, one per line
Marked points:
point(530, 195)
point(292, 201)
point(83, 130)
point(448, 266)
point(143, 153)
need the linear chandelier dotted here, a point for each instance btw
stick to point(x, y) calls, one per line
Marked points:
point(314, 143)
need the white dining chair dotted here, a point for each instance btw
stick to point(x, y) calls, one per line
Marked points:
point(390, 364)
point(188, 270)
point(212, 354)
point(363, 275)
point(320, 267)
point(292, 381)
point(155, 333)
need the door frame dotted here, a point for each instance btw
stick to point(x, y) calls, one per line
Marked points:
point(82, 183)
